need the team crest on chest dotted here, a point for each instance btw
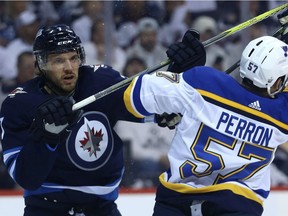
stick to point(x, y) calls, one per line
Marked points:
point(91, 143)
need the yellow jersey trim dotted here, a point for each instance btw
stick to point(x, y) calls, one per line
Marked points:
point(128, 102)
point(187, 189)
point(243, 108)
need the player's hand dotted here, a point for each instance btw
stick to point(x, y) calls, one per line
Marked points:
point(283, 19)
point(186, 54)
point(168, 120)
point(52, 120)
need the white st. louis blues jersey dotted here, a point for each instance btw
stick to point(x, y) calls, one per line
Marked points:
point(226, 138)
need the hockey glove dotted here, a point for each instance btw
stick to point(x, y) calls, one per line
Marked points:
point(283, 19)
point(52, 120)
point(186, 54)
point(168, 120)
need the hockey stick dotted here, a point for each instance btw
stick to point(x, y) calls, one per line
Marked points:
point(206, 43)
point(237, 64)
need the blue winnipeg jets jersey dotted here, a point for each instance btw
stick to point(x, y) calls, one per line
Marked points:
point(226, 139)
point(89, 161)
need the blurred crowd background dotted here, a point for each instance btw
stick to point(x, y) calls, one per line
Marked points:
point(132, 36)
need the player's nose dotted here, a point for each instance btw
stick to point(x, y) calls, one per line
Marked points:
point(68, 65)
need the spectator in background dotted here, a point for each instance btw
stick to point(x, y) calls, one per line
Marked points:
point(279, 167)
point(257, 7)
point(216, 55)
point(25, 72)
point(256, 31)
point(169, 8)
point(133, 66)
point(128, 13)
point(183, 16)
point(46, 11)
point(10, 10)
point(133, 11)
point(14, 8)
point(7, 33)
point(147, 45)
point(126, 34)
point(96, 51)
point(68, 11)
point(169, 32)
point(228, 18)
point(27, 24)
point(92, 10)
point(146, 144)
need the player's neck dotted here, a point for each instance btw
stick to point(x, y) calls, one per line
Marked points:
point(254, 89)
point(55, 91)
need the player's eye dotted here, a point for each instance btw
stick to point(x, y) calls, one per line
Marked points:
point(75, 58)
point(58, 61)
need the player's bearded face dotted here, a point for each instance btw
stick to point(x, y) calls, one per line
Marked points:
point(62, 70)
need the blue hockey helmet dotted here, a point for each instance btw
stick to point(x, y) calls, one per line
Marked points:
point(54, 39)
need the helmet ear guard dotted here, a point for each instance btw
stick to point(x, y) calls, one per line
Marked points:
point(56, 39)
point(263, 61)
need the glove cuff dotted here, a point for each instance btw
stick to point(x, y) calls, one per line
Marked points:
point(41, 135)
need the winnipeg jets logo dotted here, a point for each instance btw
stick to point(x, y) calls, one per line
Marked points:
point(91, 142)
point(18, 90)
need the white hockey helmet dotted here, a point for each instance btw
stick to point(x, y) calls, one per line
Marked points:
point(263, 61)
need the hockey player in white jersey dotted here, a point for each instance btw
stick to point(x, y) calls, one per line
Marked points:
point(225, 142)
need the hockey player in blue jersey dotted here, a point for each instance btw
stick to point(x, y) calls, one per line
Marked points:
point(228, 134)
point(69, 163)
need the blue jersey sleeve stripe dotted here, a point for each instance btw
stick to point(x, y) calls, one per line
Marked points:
point(136, 98)
point(11, 154)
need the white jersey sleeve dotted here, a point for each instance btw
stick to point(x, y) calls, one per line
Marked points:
point(161, 92)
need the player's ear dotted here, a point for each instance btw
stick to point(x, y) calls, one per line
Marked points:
point(37, 71)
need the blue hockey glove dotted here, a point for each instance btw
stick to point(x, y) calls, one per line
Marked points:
point(186, 54)
point(168, 120)
point(52, 120)
point(283, 19)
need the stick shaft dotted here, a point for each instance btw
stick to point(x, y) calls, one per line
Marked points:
point(237, 64)
point(206, 43)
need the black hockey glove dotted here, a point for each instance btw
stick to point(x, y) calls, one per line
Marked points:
point(168, 120)
point(52, 120)
point(283, 19)
point(186, 54)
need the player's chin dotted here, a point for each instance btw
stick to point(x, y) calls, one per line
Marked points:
point(68, 87)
